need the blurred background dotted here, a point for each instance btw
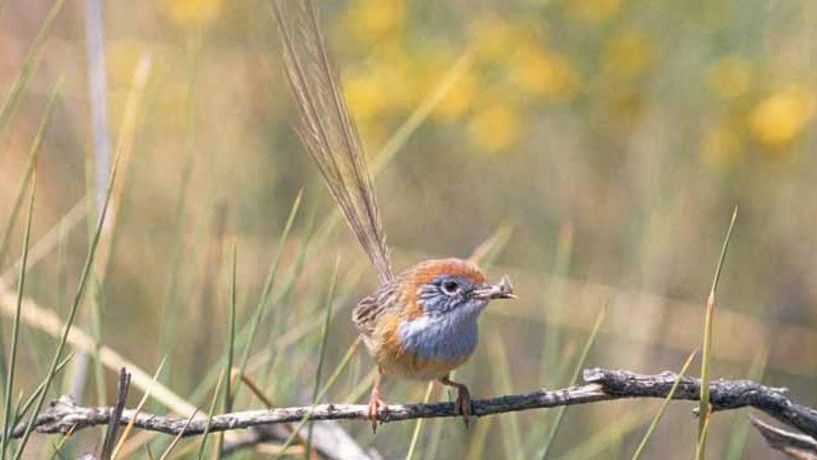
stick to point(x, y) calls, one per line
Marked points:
point(598, 146)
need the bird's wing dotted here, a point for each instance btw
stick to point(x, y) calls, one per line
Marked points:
point(366, 314)
point(327, 130)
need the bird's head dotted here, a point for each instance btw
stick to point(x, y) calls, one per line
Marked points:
point(441, 286)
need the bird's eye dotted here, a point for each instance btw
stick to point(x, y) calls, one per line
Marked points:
point(451, 287)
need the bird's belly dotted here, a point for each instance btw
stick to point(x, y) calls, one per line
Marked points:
point(421, 350)
point(410, 365)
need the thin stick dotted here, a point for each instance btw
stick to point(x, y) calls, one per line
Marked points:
point(600, 385)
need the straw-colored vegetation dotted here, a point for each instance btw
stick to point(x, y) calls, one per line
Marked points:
point(599, 146)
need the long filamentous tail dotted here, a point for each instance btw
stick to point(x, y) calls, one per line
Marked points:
point(327, 131)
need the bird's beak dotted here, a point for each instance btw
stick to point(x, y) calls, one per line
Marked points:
point(503, 290)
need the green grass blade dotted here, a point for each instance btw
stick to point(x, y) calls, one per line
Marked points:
point(30, 401)
point(213, 402)
point(418, 425)
point(83, 280)
point(29, 63)
point(344, 361)
point(509, 423)
point(554, 429)
point(263, 304)
point(33, 155)
point(8, 417)
point(557, 353)
point(316, 395)
point(555, 299)
point(287, 290)
point(330, 382)
point(330, 298)
point(700, 448)
point(228, 368)
point(706, 359)
point(170, 303)
point(62, 292)
point(242, 338)
point(643, 444)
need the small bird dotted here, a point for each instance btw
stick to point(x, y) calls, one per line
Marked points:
point(420, 324)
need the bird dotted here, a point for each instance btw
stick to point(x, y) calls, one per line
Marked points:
point(421, 323)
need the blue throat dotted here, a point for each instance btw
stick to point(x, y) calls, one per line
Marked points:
point(447, 337)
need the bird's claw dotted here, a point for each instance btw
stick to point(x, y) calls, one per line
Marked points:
point(376, 407)
point(463, 404)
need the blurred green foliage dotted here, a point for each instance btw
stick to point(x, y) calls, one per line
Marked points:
point(613, 136)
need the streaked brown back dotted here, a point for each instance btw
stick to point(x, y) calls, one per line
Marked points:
point(326, 129)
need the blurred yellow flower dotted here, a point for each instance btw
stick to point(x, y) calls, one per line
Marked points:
point(722, 145)
point(459, 98)
point(367, 93)
point(729, 77)
point(373, 21)
point(382, 88)
point(628, 54)
point(495, 128)
point(494, 38)
point(782, 116)
point(193, 11)
point(543, 73)
point(593, 11)
point(406, 71)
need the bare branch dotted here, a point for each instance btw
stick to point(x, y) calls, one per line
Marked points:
point(601, 385)
point(792, 444)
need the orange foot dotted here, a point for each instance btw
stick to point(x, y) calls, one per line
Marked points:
point(376, 407)
point(463, 403)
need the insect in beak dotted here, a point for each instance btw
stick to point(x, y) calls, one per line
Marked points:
point(503, 290)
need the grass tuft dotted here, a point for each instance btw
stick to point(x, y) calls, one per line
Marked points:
point(29, 64)
point(83, 280)
point(554, 429)
point(9, 417)
point(210, 413)
point(706, 359)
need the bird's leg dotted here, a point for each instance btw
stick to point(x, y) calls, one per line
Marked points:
point(463, 404)
point(375, 403)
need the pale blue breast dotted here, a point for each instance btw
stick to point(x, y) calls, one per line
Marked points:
point(449, 337)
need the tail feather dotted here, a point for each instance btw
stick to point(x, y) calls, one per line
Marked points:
point(327, 131)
